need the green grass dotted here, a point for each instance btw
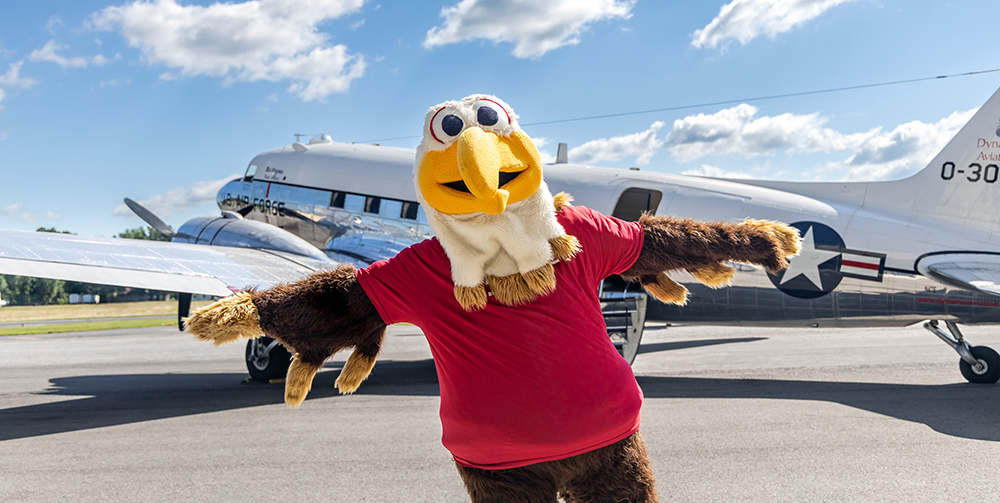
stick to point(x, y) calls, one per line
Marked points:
point(85, 327)
point(90, 311)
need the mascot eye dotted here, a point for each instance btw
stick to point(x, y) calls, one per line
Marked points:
point(446, 125)
point(487, 116)
point(490, 114)
point(452, 125)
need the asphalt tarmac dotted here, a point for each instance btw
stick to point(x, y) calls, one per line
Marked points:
point(731, 414)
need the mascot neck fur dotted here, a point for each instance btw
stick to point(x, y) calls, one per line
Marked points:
point(515, 241)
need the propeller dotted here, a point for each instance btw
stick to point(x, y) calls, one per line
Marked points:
point(150, 218)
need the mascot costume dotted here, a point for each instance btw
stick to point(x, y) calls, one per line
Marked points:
point(536, 403)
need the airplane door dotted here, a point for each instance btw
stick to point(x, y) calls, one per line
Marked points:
point(624, 305)
point(633, 202)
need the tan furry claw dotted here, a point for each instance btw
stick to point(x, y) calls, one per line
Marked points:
point(471, 298)
point(564, 247)
point(228, 320)
point(299, 381)
point(787, 236)
point(716, 275)
point(542, 281)
point(666, 289)
point(355, 371)
point(561, 200)
point(511, 290)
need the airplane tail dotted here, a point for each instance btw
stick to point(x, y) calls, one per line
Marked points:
point(962, 182)
point(960, 186)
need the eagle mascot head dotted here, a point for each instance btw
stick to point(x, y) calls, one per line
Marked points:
point(479, 178)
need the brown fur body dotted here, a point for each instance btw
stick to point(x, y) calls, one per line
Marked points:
point(618, 472)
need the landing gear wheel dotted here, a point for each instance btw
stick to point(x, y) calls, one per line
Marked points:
point(989, 370)
point(265, 365)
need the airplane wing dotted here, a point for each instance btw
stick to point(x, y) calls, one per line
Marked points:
point(157, 265)
point(972, 271)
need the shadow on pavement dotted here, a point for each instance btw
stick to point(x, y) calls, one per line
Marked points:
point(960, 410)
point(653, 347)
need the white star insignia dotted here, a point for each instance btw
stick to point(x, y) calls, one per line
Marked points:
point(807, 263)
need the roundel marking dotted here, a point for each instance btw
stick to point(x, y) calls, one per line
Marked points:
point(815, 271)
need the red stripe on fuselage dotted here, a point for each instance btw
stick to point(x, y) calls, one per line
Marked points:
point(268, 190)
point(859, 265)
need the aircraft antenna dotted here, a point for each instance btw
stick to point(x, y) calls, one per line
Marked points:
point(727, 102)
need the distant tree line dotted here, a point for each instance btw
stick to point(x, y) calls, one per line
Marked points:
point(24, 291)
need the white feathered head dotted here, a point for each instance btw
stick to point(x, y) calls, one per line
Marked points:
point(474, 158)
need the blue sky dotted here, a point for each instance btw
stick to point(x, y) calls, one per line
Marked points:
point(162, 101)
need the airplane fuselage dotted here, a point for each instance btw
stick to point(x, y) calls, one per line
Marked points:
point(858, 266)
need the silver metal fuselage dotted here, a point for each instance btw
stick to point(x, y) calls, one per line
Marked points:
point(358, 203)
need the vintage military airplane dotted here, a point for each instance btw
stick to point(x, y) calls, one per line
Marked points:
point(874, 254)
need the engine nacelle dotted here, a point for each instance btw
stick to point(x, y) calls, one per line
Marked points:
point(237, 232)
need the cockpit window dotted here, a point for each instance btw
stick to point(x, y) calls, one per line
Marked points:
point(251, 171)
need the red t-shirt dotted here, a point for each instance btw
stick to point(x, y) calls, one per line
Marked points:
point(526, 384)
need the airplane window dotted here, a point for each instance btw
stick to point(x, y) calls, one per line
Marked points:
point(354, 203)
point(373, 204)
point(409, 211)
point(251, 171)
point(337, 199)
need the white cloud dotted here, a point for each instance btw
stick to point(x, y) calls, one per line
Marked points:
point(13, 77)
point(48, 53)
point(641, 145)
point(735, 130)
point(3, 134)
point(51, 215)
point(745, 20)
point(902, 151)
point(540, 142)
point(14, 210)
point(534, 26)
point(873, 154)
point(115, 83)
point(179, 198)
point(53, 24)
point(272, 40)
point(716, 172)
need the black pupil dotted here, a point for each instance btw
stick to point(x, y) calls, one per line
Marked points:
point(452, 124)
point(487, 116)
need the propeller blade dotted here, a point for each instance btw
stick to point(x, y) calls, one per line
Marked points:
point(150, 218)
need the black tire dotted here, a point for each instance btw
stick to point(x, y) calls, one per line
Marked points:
point(988, 358)
point(272, 366)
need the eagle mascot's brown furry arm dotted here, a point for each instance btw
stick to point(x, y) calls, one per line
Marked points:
point(703, 248)
point(315, 317)
point(328, 311)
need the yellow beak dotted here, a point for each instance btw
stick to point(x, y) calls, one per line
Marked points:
point(479, 162)
point(480, 172)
